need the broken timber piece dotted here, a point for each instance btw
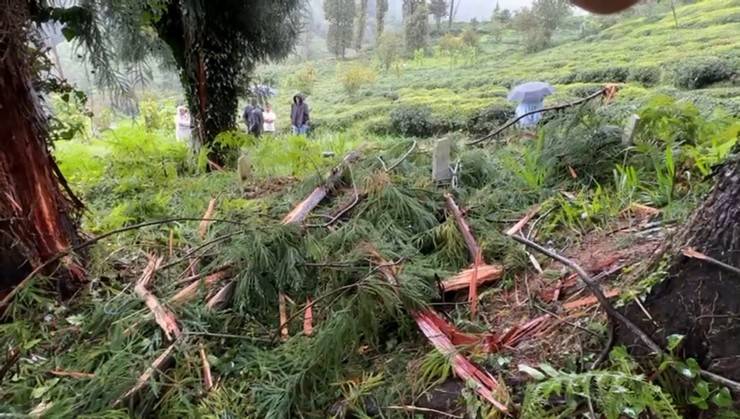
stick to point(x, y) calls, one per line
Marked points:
point(463, 226)
point(486, 273)
point(144, 378)
point(441, 172)
point(203, 227)
point(630, 130)
point(484, 384)
point(521, 223)
point(301, 211)
point(187, 293)
point(206, 366)
point(164, 318)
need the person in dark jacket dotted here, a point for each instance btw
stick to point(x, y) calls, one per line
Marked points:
point(299, 115)
point(253, 119)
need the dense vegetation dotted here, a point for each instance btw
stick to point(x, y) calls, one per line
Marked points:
point(366, 357)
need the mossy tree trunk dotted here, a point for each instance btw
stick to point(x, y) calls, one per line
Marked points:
point(36, 216)
point(698, 299)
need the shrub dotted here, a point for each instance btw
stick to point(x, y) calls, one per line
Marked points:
point(388, 51)
point(471, 38)
point(647, 76)
point(602, 75)
point(412, 121)
point(355, 76)
point(488, 119)
point(304, 79)
point(698, 73)
point(157, 115)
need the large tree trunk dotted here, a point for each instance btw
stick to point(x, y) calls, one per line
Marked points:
point(381, 7)
point(697, 299)
point(361, 22)
point(208, 64)
point(36, 216)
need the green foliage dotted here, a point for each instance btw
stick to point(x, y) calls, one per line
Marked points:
point(304, 79)
point(645, 75)
point(439, 9)
point(488, 119)
point(157, 115)
point(355, 76)
point(539, 22)
point(701, 72)
point(416, 27)
point(471, 38)
point(614, 393)
point(70, 118)
point(412, 121)
point(388, 50)
point(340, 15)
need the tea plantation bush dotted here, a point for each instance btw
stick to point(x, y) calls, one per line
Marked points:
point(488, 119)
point(698, 73)
point(647, 76)
point(412, 121)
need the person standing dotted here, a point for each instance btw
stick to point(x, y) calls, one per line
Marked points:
point(255, 120)
point(270, 118)
point(182, 124)
point(299, 115)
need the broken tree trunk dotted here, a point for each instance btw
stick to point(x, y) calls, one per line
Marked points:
point(486, 273)
point(37, 217)
point(699, 299)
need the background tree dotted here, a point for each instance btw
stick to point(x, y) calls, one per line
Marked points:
point(438, 9)
point(416, 26)
point(361, 23)
point(340, 14)
point(539, 22)
point(381, 8)
point(388, 51)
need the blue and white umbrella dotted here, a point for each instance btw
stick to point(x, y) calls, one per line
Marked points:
point(533, 91)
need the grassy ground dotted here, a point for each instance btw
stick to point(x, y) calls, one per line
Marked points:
point(77, 358)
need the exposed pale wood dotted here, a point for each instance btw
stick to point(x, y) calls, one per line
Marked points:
point(283, 311)
point(186, 294)
point(222, 296)
point(144, 378)
point(521, 223)
point(462, 225)
point(589, 301)
point(71, 374)
point(164, 318)
point(308, 318)
point(206, 367)
point(203, 227)
point(473, 287)
point(486, 273)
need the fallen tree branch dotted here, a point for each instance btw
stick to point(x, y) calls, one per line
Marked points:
point(186, 294)
point(164, 318)
point(71, 374)
point(203, 227)
point(551, 108)
point(521, 223)
point(206, 367)
point(613, 313)
point(463, 226)
point(144, 378)
point(400, 160)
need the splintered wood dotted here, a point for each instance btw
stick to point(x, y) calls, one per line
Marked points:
point(189, 292)
point(440, 335)
point(461, 281)
point(158, 364)
point(164, 318)
point(203, 227)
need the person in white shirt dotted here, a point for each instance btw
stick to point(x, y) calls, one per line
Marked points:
point(269, 117)
point(182, 124)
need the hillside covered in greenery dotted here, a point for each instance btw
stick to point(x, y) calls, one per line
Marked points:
point(329, 275)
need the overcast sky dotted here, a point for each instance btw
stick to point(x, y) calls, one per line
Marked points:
point(483, 8)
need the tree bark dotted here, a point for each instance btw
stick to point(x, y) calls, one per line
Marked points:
point(207, 67)
point(381, 7)
point(452, 14)
point(698, 299)
point(36, 217)
point(361, 22)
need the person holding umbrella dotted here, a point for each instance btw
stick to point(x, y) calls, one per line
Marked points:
point(531, 97)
